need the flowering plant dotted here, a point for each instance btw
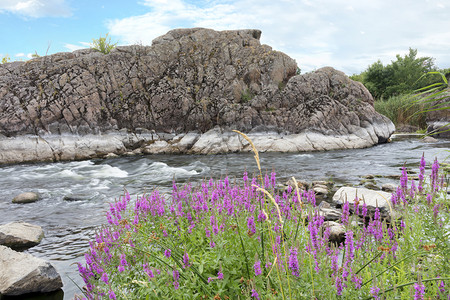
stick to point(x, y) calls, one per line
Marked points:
point(250, 240)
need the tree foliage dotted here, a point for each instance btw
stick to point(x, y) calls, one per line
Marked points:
point(401, 76)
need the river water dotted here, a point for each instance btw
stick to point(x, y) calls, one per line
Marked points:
point(69, 225)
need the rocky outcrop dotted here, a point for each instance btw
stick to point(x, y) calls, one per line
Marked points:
point(20, 235)
point(187, 91)
point(22, 273)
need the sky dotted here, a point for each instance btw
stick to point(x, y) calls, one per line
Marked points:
point(348, 35)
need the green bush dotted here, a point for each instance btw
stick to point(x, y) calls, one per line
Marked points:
point(103, 44)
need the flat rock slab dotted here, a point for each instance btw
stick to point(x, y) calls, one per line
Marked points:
point(372, 199)
point(20, 235)
point(28, 197)
point(22, 273)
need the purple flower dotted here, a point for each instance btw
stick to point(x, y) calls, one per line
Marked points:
point(148, 271)
point(404, 179)
point(257, 267)
point(293, 262)
point(120, 268)
point(345, 213)
point(261, 216)
point(429, 199)
point(436, 211)
point(251, 224)
point(339, 286)
point(421, 173)
point(167, 253)
point(442, 287)
point(255, 294)
point(112, 295)
point(123, 261)
point(186, 260)
point(358, 281)
point(212, 244)
point(374, 291)
point(349, 254)
point(220, 275)
point(434, 175)
point(273, 179)
point(420, 291)
point(176, 277)
point(104, 278)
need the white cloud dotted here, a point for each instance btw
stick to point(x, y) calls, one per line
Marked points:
point(19, 55)
point(36, 8)
point(346, 34)
point(73, 47)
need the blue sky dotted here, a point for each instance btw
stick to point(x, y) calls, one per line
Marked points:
point(348, 35)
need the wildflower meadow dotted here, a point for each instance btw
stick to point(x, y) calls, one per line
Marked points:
point(245, 238)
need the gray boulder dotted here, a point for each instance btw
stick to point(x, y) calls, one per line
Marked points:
point(372, 199)
point(20, 235)
point(22, 273)
point(27, 197)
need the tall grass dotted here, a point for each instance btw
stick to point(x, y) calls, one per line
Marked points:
point(401, 110)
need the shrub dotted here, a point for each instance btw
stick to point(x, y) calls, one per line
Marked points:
point(246, 239)
point(103, 44)
point(6, 59)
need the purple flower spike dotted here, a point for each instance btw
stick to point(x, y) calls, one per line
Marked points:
point(293, 262)
point(374, 291)
point(345, 213)
point(420, 291)
point(112, 295)
point(186, 260)
point(257, 267)
point(255, 294)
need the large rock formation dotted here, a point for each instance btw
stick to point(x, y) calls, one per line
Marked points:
point(189, 81)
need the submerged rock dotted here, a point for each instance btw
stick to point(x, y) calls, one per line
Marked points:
point(20, 235)
point(22, 273)
point(183, 94)
point(27, 197)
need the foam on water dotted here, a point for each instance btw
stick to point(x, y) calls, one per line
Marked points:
point(107, 171)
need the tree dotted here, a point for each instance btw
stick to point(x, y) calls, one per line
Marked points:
point(401, 76)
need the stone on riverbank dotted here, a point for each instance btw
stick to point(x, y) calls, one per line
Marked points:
point(372, 199)
point(22, 273)
point(20, 235)
point(28, 197)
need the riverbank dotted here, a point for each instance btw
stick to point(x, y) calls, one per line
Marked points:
point(69, 225)
point(52, 148)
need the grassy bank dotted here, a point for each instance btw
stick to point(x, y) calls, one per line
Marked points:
point(402, 110)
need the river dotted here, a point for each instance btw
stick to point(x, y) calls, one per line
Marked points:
point(69, 225)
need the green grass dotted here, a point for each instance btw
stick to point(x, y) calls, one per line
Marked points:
point(401, 110)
